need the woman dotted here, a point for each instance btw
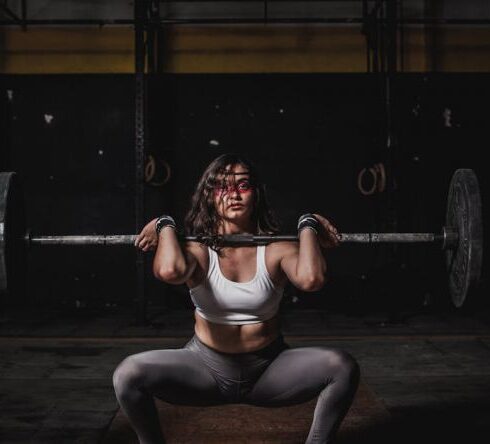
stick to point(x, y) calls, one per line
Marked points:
point(237, 354)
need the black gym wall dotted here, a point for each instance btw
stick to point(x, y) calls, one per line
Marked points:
point(71, 138)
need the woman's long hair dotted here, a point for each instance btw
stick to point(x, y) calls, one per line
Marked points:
point(203, 219)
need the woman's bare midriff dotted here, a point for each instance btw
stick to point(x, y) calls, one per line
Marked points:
point(236, 338)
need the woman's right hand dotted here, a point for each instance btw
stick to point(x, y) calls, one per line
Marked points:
point(147, 240)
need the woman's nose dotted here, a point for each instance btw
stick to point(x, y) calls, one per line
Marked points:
point(235, 193)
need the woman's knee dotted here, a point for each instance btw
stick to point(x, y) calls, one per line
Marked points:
point(343, 363)
point(128, 374)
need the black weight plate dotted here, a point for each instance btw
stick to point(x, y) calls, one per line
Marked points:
point(12, 231)
point(464, 215)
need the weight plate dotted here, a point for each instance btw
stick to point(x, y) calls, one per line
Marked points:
point(12, 231)
point(464, 215)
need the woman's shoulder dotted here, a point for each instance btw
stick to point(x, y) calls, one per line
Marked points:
point(198, 249)
point(282, 248)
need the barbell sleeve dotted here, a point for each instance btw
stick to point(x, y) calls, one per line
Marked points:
point(116, 239)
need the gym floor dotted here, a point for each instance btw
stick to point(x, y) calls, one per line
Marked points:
point(428, 371)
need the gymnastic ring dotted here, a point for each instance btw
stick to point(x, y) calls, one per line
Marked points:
point(150, 169)
point(360, 176)
point(168, 173)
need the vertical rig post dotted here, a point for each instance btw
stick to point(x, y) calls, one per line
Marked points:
point(140, 15)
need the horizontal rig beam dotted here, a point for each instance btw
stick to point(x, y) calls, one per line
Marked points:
point(236, 20)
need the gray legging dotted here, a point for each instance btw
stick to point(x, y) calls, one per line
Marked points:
point(276, 375)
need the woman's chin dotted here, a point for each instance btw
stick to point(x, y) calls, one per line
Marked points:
point(237, 216)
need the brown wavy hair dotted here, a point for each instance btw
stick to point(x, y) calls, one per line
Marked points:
point(203, 219)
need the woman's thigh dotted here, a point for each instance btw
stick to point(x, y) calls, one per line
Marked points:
point(298, 375)
point(177, 376)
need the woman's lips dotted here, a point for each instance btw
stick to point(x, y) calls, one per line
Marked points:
point(235, 206)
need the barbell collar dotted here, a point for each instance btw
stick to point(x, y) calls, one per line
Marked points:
point(450, 238)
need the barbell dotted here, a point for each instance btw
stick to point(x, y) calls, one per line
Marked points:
point(461, 238)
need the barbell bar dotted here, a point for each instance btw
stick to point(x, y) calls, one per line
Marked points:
point(461, 237)
point(246, 239)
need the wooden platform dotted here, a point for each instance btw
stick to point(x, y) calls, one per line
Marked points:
point(238, 423)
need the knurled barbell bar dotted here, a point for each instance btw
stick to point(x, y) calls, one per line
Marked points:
point(461, 237)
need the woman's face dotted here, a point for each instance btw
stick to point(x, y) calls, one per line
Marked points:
point(234, 194)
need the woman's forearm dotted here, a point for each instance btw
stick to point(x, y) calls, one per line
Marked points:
point(311, 263)
point(169, 260)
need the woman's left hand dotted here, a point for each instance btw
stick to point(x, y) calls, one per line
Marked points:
point(328, 236)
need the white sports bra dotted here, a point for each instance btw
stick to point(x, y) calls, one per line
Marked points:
point(219, 300)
